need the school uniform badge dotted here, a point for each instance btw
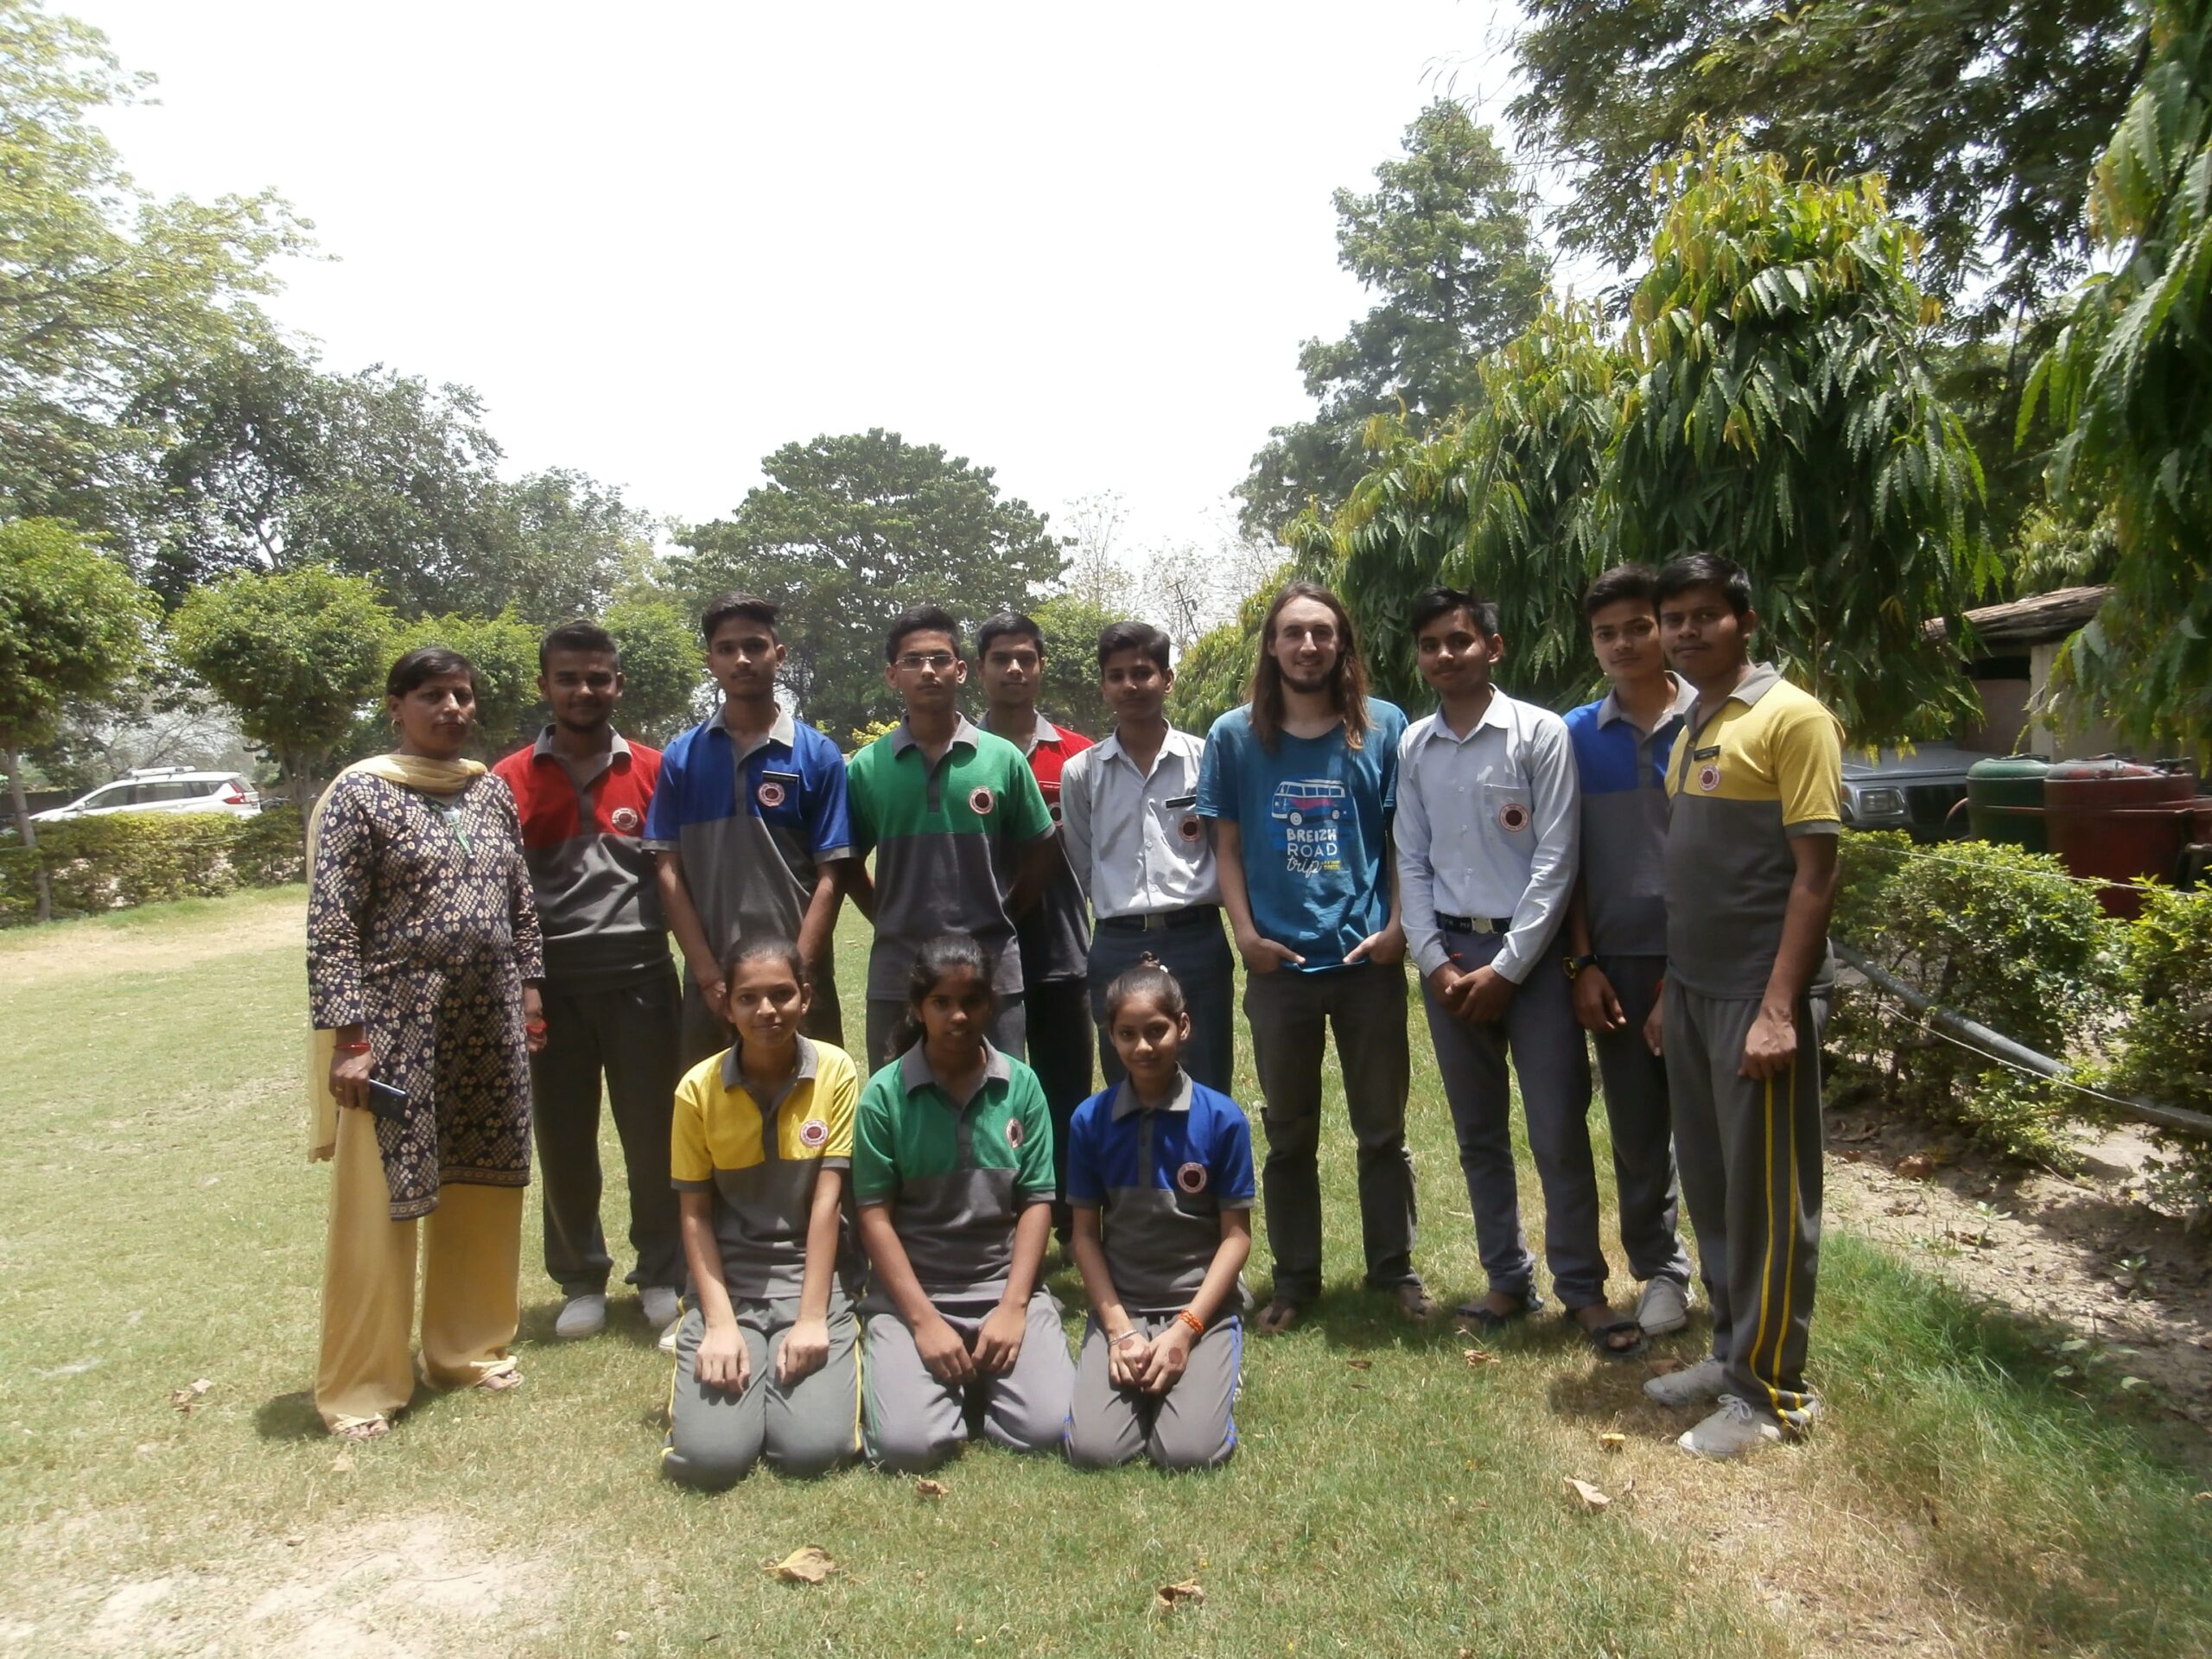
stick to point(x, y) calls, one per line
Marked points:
point(624, 820)
point(1191, 829)
point(1191, 1178)
point(1708, 777)
point(1512, 818)
point(980, 801)
point(769, 794)
point(1016, 1134)
point(813, 1132)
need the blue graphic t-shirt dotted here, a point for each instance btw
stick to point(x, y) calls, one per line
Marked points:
point(1315, 816)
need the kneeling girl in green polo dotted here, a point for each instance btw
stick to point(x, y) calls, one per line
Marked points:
point(767, 1356)
point(952, 1171)
point(1160, 1174)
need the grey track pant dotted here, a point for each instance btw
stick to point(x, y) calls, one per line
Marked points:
point(1365, 1007)
point(913, 1422)
point(1009, 1032)
point(1643, 1127)
point(1750, 1167)
point(1190, 1426)
point(716, 1437)
point(1544, 1044)
point(706, 1031)
point(630, 1036)
point(1056, 1015)
point(1204, 965)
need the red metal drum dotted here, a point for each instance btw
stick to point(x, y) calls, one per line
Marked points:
point(2114, 819)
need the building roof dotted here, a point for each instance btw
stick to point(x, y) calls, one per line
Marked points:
point(2031, 620)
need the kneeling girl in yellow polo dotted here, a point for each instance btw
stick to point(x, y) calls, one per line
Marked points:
point(1167, 1164)
point(767, 1356)
point(952, 1170)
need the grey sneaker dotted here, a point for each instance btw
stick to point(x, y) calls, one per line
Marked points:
point(1701, 1382)
point(1663, 1308)
point(663, 1311)
point(1731, 1431)
point(580, 1316)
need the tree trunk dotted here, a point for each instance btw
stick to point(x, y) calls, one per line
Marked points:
point(22, 803)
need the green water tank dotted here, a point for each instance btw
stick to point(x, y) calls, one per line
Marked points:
point(2005, 800)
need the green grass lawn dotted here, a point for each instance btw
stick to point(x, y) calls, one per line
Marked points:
point(159, 1225)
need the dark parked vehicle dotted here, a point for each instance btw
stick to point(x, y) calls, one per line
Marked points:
point(1914, 793)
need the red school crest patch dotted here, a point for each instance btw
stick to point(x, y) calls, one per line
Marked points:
point(980, 801)
point(624, 820)
point(769, 794)
point(1016, 1134)
point(1191, 1178)
point(1708, 777)
point(1512, 818)
point(1191, 829)
point(813, 1132)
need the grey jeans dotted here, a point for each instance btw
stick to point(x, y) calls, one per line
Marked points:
point(1290, 1015)
point(1642, 1126)
point(1190, 1426)
point(1539, 1035)
point(716, 1436)
point(913, 1422)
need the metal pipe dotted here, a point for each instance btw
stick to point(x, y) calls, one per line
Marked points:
point(2145, 1111)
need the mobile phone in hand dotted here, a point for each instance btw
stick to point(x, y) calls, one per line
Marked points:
point(386, 1099)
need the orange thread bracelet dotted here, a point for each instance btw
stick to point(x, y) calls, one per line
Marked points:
point(1197, 1326)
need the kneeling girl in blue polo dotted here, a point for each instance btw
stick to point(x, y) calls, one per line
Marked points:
point(1160, 1174)
point(767, 1354)
point(952, 1171)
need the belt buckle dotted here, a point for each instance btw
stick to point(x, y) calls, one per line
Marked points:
point(1155, 921)
point(1483, 925)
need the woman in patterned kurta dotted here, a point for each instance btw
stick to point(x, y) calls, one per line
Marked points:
point(420, 934)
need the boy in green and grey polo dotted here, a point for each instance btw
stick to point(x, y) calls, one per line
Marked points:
point(956, 1175)
point(947, 839)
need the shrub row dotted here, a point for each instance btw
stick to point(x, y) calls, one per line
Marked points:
point(2008, 938)
point(101, 864)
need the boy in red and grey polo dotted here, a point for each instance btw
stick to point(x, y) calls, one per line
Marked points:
point(612, 1006)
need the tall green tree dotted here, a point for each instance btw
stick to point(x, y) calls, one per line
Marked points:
point(100, 284)
point(849, 531)
point(663, 665)
point(1784, 415)
point(300, 656)
point(73, 623)
point(1503, 503)
point(1445, 242)
point(2130, 386)
point(1984, 115)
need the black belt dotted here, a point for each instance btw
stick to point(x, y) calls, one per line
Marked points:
point(1475, 924)
point(1189, 916)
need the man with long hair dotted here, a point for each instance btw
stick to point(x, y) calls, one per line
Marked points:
point(1300, 785)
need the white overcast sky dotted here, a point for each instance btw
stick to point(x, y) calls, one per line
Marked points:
point(1080, 246)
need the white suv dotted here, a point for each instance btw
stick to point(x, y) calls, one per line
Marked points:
point(163, 788)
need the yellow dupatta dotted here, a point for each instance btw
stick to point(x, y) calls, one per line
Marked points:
point(409, 772)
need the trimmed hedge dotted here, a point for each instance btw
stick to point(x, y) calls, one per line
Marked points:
point(2002, 936)
point(108, 863)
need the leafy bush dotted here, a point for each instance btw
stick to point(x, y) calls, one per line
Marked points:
point(2002, 936)
point(144, 858)
point(2167, 1056)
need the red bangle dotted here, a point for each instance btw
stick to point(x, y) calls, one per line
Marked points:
point(1197, 1326)
point(353, 1048)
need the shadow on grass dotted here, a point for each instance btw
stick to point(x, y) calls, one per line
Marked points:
point(288, 1417)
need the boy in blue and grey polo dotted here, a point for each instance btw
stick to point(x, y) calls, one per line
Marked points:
point(1160, 1176)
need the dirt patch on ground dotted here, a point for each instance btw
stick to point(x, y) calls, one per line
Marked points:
point(399, 1589)
point(2087, 1253)
point(78, 951)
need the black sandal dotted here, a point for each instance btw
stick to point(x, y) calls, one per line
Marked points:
point(1598, 1335)
point(1489, 1320)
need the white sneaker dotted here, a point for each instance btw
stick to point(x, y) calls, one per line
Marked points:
point(663, 1312)
point(1663, 1308)
point(1701, 1382)
point(580, 1316)
point(1731, 1430)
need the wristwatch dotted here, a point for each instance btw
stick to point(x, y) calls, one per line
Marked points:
point(1574, 965)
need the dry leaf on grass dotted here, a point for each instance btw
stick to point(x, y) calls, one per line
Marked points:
point(186, 1398)
point(808, 1565)
point(1164, 1598)
point(1480, 1357)
point(1361, 1365)
point(1662, 1365)
point(1612, 1442)
point(1588, 1496)
point(1918, 1166)
point(931, 1488)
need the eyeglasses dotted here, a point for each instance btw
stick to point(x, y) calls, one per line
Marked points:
point(939, 660)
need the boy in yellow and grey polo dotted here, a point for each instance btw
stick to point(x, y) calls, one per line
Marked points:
point(759, 1160)
point(957, 1174)
point(1746, 778)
